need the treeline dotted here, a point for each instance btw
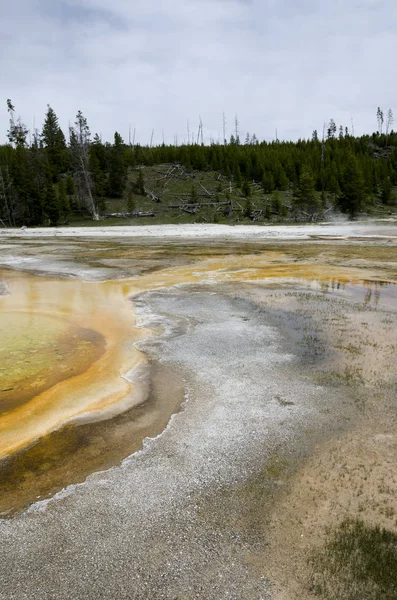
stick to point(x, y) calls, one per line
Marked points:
point(45, 180)
point(44, 177)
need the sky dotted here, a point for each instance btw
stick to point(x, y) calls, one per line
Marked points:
point(157, 65)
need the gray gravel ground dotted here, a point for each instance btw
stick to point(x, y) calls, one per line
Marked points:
point(3, 288)
point(167, 522)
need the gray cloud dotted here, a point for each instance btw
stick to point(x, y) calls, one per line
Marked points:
point(285, 64)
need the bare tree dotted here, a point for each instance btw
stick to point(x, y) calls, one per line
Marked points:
point(80, 138)
point(389, 120)
point(236, 125)
point(200, 137)
point(380, 119)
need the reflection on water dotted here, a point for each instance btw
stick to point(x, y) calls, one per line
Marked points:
point(371, 292)
point(368, 292)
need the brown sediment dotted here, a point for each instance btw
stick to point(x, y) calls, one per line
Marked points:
point(69, 455)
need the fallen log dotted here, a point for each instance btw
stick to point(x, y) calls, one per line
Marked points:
point(123, 215)
point(152, 195)
point(206, 191)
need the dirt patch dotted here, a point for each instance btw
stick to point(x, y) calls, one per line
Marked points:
point(347, 478)
point(349, 346)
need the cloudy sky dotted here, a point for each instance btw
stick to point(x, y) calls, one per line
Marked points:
point(154, 64)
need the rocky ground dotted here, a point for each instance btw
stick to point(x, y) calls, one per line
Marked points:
point(287, 426)
point(158, 526)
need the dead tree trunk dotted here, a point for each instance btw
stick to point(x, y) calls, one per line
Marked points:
point(88, 185)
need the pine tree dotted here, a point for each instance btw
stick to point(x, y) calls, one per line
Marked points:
point(140, 184)
point(117, 169)
point(22, 186)
point(131, 201)
point(333, 186)
point(353, 188)
point(237, 175)
point(63, 200)
point(51, 205)
point(69, 185)
point(331, 131)
point(37, 174)
point(6, 192)
point(306, 199)
point(54, 143)
point(245, 188)
point(268, 182)
point(248, 208)
point(281, 179)
point(386, 192)
point(277, 204)
point(18, 132)
point(97, 172)
point(193, 195)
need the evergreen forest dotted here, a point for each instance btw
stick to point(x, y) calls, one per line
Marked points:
point(47, 178)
